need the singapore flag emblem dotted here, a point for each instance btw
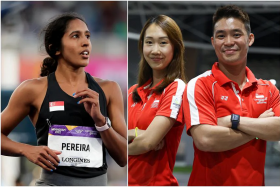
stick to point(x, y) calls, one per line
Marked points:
point(56, 106)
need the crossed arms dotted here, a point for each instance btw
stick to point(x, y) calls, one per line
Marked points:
point(222, 137)
point(218, 136)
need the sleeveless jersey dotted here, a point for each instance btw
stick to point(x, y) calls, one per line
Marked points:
point(72, 114)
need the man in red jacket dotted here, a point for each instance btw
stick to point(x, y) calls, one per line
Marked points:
point(229, 113)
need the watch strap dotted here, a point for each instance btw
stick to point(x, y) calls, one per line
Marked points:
point(106, 126)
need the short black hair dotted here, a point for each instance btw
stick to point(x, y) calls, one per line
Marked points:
point(232, 11)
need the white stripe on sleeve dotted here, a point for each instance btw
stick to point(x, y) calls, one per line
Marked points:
point(191, 98)
point(177, 99)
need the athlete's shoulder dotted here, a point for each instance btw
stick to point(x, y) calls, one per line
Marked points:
point(33, 85)
point(105, 82)
point(29, 90)
point(176, 87)
point(204, 78)
point(266, 83)
point(176, 84)
point(179, 81)
point(109, 87)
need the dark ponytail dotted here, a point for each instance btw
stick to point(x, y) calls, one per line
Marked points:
point(49, 65)
point(54, 32)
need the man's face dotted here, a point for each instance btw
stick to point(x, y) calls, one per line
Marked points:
point(231, 41)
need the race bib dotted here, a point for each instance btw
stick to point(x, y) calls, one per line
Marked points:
point(81, 146)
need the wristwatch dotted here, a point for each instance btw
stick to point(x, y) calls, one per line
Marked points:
point(104, 127)
point(235, 119)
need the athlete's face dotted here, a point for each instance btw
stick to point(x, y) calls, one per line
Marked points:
point(76, 45)
point(157, 48)
point(231, 41)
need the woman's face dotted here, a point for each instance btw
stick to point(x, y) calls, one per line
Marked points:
point(76, 45)
point(157, 48)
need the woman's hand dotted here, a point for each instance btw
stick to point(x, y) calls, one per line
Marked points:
point(90, 99)
point(113, 138)
point(42, 156)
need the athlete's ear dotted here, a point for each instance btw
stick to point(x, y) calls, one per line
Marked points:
point(251, 39)
point(212, 41)
point(57, 51)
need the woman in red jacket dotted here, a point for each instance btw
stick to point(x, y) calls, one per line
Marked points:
point(155, 120)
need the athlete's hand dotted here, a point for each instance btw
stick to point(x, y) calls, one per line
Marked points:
point(90, 99)
point(160, 145)
point(224, 121)
point(267, 113)
point(43, 156)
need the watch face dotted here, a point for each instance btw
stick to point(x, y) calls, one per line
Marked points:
point(108, 121)
point(235, 117)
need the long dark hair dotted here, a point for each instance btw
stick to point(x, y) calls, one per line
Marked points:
point(54, 32)
point(175, 69)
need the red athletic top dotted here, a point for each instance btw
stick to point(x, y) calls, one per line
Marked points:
point(212, 95)
point(155, 168)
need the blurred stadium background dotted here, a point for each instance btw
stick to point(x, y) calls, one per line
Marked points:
point(195, 21)
point(22, 52)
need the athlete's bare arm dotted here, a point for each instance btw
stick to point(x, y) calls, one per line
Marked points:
point(131, 134)
point(220, 138)
point(26, 100)
point(211, 138)
point(263, 128)
point(114, 138)
point(267, 128)
point(153, 137)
